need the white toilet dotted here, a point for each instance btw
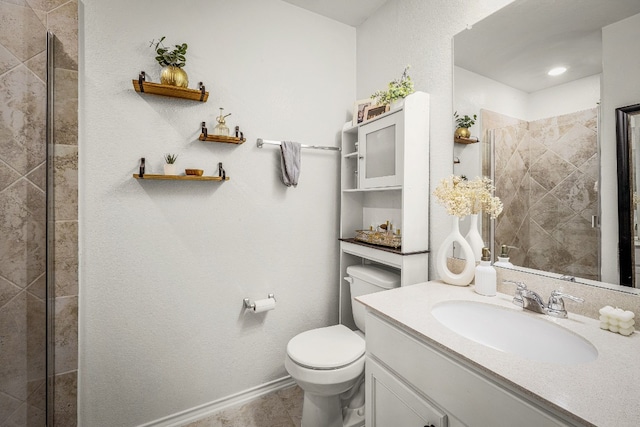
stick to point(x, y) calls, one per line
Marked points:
point(328, 363)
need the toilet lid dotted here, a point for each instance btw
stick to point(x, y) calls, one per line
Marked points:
point(326, 348)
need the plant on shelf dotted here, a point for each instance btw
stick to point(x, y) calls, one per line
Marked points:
point(170, 164)
point(172, 61)
point(463, 123)
point(396, 90)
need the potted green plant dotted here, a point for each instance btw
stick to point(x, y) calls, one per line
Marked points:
point(396, 91)
point(170, 164)
point(463, 123)
point(172, 61)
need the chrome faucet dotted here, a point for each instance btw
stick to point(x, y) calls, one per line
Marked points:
point(532, 301)
point(555, 307)
point(517, 295)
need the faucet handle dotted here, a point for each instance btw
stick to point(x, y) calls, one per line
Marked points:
point(556, 303)
point(517, 296)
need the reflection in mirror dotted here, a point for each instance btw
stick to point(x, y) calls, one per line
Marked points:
point(539, 133)
point(628, 141)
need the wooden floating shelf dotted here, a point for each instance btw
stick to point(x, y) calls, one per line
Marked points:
point(471, 140)
point(221, 138)
point(142, 86)
point(179, 177)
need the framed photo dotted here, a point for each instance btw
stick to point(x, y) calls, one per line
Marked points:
point(358, 110)
point(374, 110)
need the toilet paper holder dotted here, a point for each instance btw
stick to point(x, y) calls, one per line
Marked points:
point(250, 305)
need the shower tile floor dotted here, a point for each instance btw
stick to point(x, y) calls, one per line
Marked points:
point(282, 408)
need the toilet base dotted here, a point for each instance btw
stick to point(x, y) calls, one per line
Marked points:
point(330, 411)
point(321, 411)
point(353, 417)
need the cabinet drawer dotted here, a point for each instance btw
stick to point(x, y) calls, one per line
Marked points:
point(461, 392)
point(392, 403)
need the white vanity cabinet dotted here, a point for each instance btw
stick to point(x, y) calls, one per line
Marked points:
point(416, 377)
point(391, 402)
point(385, 177)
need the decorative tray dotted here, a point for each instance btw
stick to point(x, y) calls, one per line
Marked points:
point(381, 238)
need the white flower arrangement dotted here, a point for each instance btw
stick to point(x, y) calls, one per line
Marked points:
point(462, 197)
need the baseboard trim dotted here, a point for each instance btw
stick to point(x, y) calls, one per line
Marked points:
point(202, 411)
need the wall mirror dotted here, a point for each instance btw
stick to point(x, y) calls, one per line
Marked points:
point(538, 133)
point(628, 146)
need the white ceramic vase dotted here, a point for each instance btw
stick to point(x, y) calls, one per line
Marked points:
point(396, 104)
point(474, 238)
point(446, 275)
point(170, 169)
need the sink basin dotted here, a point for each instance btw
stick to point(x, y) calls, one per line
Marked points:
point(514, 332)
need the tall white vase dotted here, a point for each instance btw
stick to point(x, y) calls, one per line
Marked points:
point(474, 238)
point(446, 275)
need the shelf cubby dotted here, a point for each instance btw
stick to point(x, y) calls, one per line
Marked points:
point(206, 136)
point(142, 86)
point(151, 177)
point(221, 138)
point(471, 140)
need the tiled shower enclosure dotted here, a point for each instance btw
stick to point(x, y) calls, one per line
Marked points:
point(23, 207)
point(546, 174)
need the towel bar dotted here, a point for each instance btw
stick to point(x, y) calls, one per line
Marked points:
point(261, 142)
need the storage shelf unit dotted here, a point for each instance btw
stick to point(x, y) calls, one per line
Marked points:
point(404, 199)
point(152, 177)
point(221, 138)
point(142, 86)
point(471, 140)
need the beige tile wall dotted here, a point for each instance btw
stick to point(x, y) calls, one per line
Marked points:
point(23, 25)
point(546, 176)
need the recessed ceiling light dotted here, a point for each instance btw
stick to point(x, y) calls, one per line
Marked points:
point(557, 71)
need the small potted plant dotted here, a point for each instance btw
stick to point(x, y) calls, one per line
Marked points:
point(396, 91)
point(172, 61)
point(463, 124)
point(170, 164)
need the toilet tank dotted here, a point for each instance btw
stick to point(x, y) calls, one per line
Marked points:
point(366, 279)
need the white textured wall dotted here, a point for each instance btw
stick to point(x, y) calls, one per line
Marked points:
point(165, 265)
point(420, 33)
point(578, 95)
point(474, 92)
point(620, 87)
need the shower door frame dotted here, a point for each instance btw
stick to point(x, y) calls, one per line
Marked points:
point(50, 230)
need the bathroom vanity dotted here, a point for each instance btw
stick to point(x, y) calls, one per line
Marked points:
point(421, 373)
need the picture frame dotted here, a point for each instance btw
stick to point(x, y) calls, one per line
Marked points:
point(358, 110)
point(374, 111)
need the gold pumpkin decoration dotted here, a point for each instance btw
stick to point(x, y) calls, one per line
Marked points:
point(462, 133)
point(174, 76)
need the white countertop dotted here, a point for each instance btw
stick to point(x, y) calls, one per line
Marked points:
point(604, 392)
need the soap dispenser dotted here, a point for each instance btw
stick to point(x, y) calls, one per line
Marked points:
point(503, 258)
point(486, 278)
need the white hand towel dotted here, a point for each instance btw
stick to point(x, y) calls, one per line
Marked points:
point(290, 162)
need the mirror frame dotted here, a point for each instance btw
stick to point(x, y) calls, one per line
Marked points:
point(626, 247)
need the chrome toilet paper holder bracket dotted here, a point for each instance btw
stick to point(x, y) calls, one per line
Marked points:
point(250, 305)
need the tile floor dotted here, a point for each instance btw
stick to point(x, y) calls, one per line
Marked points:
point(282, 408)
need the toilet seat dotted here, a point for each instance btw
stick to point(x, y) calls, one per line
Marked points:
point(327, 348)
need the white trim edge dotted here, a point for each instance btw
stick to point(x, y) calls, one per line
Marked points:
point(207, 409)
